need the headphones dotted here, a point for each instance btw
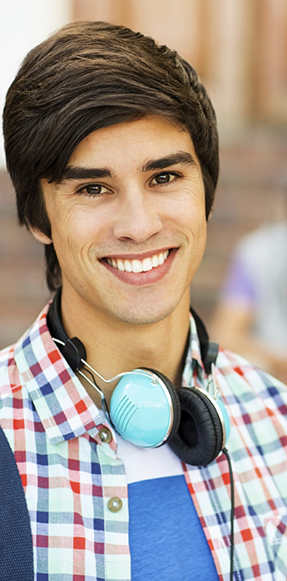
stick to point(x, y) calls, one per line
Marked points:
point(147, 410)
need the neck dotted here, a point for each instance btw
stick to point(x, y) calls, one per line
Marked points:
point(114, 347)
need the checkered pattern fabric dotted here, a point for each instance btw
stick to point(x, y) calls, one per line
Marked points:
point(69, 475)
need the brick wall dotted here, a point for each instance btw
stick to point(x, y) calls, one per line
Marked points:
point(22, 279)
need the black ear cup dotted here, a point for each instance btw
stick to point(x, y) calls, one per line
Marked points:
point(175, 401)
point(199, 438)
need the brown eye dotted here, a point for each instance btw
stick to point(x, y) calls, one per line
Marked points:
point(93, 189)
point(163, 178)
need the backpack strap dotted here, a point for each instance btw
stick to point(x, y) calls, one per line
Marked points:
point(16, 548)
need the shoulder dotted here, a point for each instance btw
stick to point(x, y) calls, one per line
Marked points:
point(256, 404)
point(248, 385)
point(10, 377)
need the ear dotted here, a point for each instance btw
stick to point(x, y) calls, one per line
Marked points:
point(40, 236)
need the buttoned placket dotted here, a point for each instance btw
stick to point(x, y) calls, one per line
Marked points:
point(116, 514)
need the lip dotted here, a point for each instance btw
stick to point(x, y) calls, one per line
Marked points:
point(141, 278)
point(141, 256)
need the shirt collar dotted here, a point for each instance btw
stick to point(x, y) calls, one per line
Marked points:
point(193, 362)
point(62, 403)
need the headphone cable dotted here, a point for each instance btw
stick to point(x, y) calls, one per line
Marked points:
point(226, 453)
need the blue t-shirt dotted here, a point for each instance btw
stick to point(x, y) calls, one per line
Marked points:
point(167, 541)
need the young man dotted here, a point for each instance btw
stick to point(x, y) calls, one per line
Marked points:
point(115, 408)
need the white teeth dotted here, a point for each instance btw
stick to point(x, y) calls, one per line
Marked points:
point(121, 265)
point(154, 261)
point(161, 259)
point(147, 264)
point(128, 266)
point(138, 265)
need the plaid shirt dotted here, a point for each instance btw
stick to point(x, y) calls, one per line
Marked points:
point(69, 474)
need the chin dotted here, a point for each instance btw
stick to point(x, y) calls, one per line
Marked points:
point(146, 315)
point(142, 320)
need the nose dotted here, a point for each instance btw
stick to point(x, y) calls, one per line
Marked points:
point(138, 217)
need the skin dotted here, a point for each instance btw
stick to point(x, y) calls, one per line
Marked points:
point(130, 191)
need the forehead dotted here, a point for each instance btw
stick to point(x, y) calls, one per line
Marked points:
point(133, 142)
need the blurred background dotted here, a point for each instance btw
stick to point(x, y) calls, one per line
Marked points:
point(239, 48)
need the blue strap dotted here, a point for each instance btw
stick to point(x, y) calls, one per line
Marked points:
point(16, 549)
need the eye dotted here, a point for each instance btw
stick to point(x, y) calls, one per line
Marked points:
point(163, 178)
point(93, 190)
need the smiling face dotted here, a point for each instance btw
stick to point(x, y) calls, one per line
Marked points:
point(128, 221)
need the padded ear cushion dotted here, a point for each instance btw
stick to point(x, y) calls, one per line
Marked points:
point(200, 435)
point(175, 401)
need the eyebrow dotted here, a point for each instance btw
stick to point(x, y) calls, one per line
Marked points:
point(84, 173)
point(181, 157)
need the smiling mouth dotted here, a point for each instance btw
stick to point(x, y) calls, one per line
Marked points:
point(138, 266)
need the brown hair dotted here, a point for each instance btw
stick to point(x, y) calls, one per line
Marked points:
point(86, 76)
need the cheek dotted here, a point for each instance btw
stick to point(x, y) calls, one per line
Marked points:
point(74, 227)
point(194, 221)
point(79, 238)
point(196, 230)
point(198, 242)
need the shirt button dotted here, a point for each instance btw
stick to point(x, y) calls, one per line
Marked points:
point(105, 435)
point(115, 504)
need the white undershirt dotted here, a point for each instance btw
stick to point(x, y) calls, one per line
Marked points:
point(148, 463)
